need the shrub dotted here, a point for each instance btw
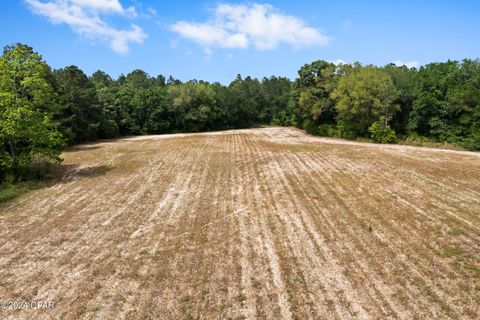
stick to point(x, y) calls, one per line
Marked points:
point(9, 191)
point(328, 130)
point(470, 143)
point(311, 127)
point(343, 130)
point(382, 133)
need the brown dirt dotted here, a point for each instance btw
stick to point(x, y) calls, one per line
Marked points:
point(259, 224)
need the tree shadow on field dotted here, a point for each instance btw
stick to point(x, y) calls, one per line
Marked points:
point(69, 172)
point(80, 148)
point(64, 173)
point(58, 174)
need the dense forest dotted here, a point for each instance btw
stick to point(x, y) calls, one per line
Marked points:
point(42, 111)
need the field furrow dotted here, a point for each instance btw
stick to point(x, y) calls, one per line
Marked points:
point(266, 223)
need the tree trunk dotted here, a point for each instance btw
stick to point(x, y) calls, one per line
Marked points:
point(11, 144)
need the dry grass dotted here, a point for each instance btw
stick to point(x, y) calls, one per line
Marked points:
point(264, 223)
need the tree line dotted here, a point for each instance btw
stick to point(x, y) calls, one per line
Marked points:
point(42, 111)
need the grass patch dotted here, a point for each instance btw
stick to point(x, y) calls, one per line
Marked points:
point(44, 175)
point(419, 141)
point(189, 316)
point(449, 252)
point(241, 298)
point(456, 231)
point(144, 252)
point(185, 299)
point(475, 269)
point(8, 192)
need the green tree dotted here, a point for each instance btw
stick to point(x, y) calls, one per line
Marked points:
point(244, 103)
point(364, 95)
point(404, 80)
point(111, 114)
point(429, 114)
point(27, 132)
point(464, 106)
point(82, 117)
point(447, 103)
point(141, 102)
point(101, 79)
point(194, 106)
point(312, 94)
point(276, 95)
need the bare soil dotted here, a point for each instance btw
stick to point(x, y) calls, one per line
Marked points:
point(267, 223)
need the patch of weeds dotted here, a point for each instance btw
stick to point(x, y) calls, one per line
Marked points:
point(298, 277)
point(401, 297)
point(454, 228)
point(330, 304)
point(255, 283)
point(157, 278)
point(465, 287)
point(225, 306)
point(184, 299)
point(144, 252)
point(95, 309)
point(241, 298)
point(188, 316)
point(456, 231)
point(366, 224)
point(474, 268)
point(131, 315)
point(11, 191)
point(184, 307)
point(443, 304)
point(449, 251)
point(222, 287)
point(113, 270)
point(204, 293)
point(121, 298)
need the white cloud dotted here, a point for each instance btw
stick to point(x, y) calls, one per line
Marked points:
point(152, 11)
point(408, 64)
point(258, 25)
point(339, 62)
point(211, 36)
point(84, 17)
point(100, 5)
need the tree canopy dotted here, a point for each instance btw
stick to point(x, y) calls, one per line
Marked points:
point(364, 97)
point(41, 109)
point(27, 102)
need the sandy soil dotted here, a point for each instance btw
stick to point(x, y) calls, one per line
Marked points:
point(264, 223)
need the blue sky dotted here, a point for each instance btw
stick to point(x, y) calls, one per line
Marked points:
point(214, 41)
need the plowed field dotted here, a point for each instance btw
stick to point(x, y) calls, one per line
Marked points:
point(267, 223)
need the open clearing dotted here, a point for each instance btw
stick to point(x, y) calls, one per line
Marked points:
point(264, 223)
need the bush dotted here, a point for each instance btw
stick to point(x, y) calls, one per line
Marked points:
point(310, 126)
point(6, 164)
point(382, 133)
point(328, 130)
point(9, 191)
point(38, 170)
point(414, 139)
point(343, 131)
point(470, 143)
